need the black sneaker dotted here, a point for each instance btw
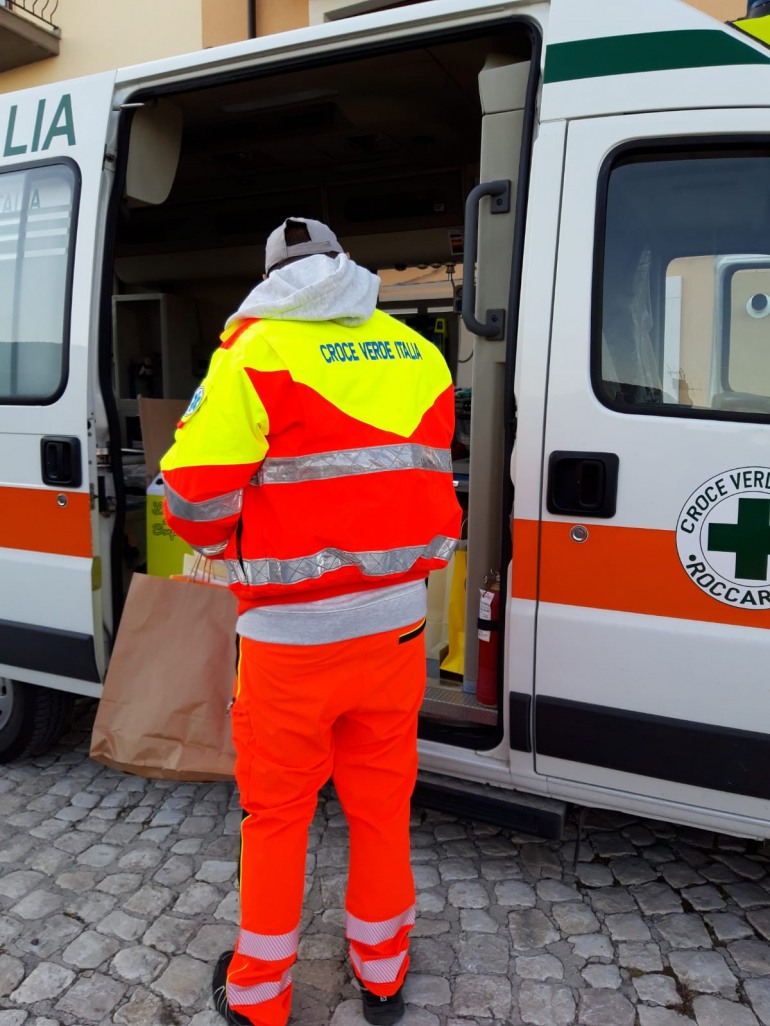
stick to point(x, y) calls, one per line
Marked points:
point(382, 1011)
point(219, 992)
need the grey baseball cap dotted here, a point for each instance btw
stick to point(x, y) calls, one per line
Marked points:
point(322, 240)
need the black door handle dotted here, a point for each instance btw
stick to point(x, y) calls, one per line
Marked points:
point(60, 461)
point(583, 484)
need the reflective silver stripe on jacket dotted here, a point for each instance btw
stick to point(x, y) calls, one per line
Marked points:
point(220, 508)
point(350, 462)
point(256, 572)
point(375, 933)
point(378, 970)
point(268, 947)
point(259, 992)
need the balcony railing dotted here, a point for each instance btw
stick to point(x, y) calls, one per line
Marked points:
point(27, 32)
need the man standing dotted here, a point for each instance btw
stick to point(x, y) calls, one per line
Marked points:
point(315, 460)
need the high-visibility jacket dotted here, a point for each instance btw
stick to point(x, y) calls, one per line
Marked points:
point(315, 459)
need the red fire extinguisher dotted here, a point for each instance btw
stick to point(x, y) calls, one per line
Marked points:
point(489, 638)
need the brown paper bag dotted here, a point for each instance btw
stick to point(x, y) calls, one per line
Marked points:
point(164, 709)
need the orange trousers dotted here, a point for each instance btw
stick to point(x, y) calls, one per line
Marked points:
point(304, 714)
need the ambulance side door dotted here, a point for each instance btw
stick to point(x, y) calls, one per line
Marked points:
point(51, 170)
point(651, 679)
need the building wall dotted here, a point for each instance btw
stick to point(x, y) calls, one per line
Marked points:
point(98, 36)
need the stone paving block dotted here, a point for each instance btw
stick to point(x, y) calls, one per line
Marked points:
point(515, 894)
point(141, 858)
point(602, 976)
point(727, 926)
point(149, 900)
point(483, 953)
point(758, 993)
point(555, 890)
point(140, 964)
point(476, 920)
point(14, 1018)
point(215, 871)
point(11, 974)
point(15, 885)
point(546, 1004)
point(592, 947)
point(574, 918)
point(539, 967)
point(704, 898)
point(663, 1017)
point(9, 928)
point(711, 1011)
point(684, 931)
point(91, 908)
point(679, 875)
point(322, 946)
point(611, 845)
point(632, 871)
point(92, 998)
point(644, 957)
point(611, 900)
point(500, 869)
point(210, 941)
point(37, 904)
point(748, 895)
point(229, 908)
point(468, 894)
point(656, 989)
point(120, 883)
point(477, 995)
point(197, 899)
point(431, 956)
point(422, 989)
point(89, 950)
point(605, 1007)
point(46, 981)
point(751, 956)
point(531, 929)
point(627, 927)
point(119, 924)
point(703, 972)
point(142, 1009)
point(169, 934)
point(433, 927)
point(184, 980)
point(761, 922)
point(657, 899)
point(50, 935)
point(742, 866)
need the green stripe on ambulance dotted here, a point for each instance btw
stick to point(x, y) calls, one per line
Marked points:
point(645, 52)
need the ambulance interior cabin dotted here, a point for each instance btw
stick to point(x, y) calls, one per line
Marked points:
point(385, 148)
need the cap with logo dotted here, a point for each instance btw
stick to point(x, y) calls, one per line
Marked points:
point(322, 240)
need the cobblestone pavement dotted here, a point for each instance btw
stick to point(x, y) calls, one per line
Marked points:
point(118, 893)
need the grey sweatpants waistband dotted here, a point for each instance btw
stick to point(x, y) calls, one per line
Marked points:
point(340, 618)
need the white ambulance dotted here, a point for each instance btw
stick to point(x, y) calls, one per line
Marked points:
point(598, 176)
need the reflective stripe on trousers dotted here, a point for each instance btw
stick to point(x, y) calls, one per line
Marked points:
point(258, 993)
point(255, 572)
point(266, 946)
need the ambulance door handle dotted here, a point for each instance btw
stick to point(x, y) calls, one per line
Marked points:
point(500, 203)
point(60, 461)
point(583, 484)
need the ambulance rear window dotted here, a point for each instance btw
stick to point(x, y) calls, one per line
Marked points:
point(36, 236)
point(682, 311)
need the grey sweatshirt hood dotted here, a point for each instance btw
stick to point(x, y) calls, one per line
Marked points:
point(316, 288)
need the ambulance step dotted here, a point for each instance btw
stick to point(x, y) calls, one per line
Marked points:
point(514, 810)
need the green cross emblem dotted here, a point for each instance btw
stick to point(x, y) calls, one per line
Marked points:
point(749, 539)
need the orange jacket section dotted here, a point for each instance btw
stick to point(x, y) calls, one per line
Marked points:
point(286, 390)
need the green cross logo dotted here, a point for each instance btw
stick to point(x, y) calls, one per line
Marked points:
point(749, 539)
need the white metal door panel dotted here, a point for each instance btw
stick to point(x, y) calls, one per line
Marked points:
point(644, 662)
point(51, 168)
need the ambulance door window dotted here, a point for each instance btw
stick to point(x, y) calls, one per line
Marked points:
point(685, 286)
point(36, 233)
